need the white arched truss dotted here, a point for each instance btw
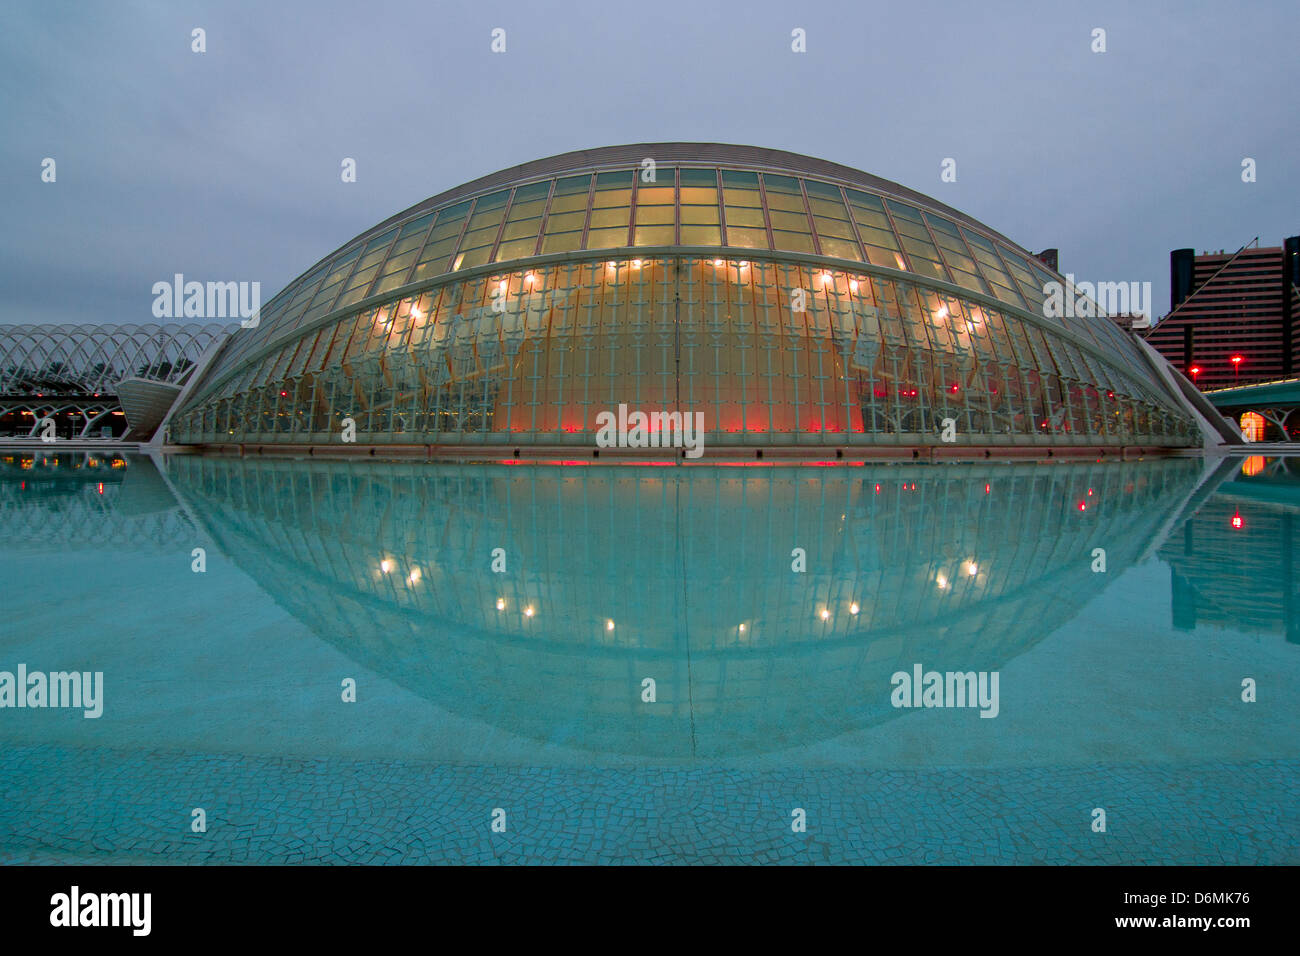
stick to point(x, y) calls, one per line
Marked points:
point(38, 360)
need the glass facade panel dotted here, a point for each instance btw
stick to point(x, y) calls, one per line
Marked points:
point(656, 211)
point(567, 215)
point(992, 269)
point(956, 255)
point(916, 242)
point(523, 222)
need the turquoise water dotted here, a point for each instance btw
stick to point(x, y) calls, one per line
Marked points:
point(781, 613)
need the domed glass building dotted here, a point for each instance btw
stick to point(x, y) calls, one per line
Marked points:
point(792, 301)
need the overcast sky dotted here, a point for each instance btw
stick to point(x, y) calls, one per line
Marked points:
point(225, 165)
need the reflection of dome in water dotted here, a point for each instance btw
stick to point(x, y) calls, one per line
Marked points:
point(959, 568)
point(789, 300)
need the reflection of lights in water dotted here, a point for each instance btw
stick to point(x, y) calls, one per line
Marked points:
point(1252, 465)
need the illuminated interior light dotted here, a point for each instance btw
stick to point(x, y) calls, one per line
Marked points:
point(742, 629)
point(941, 581)
point(825, 614)
point(501, 604)
point(853, 608)
point(718, 263)
point(414, 576)
point(386, 565)
point(528, 611)
point(853, 285)
point(972, 568)
point(1252, 426)
point(636, 263)
point(609, 625)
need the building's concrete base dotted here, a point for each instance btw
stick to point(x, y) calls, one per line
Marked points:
point(724, 455)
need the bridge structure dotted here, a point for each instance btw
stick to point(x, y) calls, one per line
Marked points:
point(1277, 402)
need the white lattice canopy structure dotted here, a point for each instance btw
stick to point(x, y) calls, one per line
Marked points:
point(71, 373)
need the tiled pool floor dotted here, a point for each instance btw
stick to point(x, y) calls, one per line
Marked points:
point(287, 810)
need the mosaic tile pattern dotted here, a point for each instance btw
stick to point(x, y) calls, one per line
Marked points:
point(84, 806)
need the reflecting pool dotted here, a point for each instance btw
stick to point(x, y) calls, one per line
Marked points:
point(312, 661)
